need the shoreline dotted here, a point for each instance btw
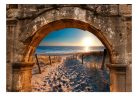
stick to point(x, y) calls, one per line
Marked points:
point(69, 53)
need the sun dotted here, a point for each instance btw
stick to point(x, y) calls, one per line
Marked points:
point(87, 41)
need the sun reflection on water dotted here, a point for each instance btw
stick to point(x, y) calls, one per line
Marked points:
point(87, 42)
point(86, 48)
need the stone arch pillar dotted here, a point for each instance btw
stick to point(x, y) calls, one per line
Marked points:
point(117, 77)
point(22, 74)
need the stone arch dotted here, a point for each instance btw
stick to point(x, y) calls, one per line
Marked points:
point(80, 17)
point(109, 25)
point(61, 24)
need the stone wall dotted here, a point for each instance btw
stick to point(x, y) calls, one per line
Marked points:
point(110, 23)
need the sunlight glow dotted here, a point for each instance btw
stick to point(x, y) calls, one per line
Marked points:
point(87, 42)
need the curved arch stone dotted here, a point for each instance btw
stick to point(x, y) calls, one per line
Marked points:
point(108, 26)
point(60, 24)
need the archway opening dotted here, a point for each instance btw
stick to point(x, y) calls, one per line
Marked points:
point(70, 59)
point(43, 31)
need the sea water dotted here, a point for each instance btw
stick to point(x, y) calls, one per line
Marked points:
point(66, 49)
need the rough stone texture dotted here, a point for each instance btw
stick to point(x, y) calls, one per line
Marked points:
point(27, 25)
point(22, 73)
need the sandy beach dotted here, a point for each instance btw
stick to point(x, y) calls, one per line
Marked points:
point(68, 74)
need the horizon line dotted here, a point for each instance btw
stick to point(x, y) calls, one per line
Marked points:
point(66, 45)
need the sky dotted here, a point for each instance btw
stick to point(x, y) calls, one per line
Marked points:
point(70, 37)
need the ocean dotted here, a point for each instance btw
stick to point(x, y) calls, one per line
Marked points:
point(66, 49)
